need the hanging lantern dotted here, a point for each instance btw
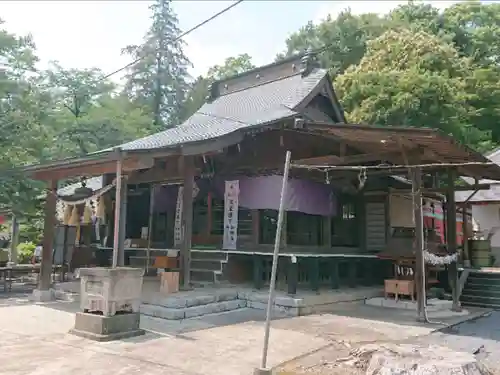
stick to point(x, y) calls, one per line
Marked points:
point(87, 215)
point(67, 214)
point(75, 217)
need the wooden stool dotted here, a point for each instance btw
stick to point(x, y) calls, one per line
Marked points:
point(169, 282)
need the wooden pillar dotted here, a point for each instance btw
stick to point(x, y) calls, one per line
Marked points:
point(255, 227)
point(284, 231)
point(419, 237)
point(123, 224)
point(451, 219)
point(187, 218)
point(48, 237)
point(14, 240)
point(292, 275)
point(118, 206)
point(327, 232)
point(465, 238)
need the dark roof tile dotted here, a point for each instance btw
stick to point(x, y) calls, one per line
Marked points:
point(238, 110)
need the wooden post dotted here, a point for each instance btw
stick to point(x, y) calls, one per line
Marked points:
point(187, 219)
point(465, 239)
point(419, 236)
point(152, 196)
point(118, 206)
point(123, 224)
point(14, 241)
point(451, 219)
point(255, 227)
point(48, 237)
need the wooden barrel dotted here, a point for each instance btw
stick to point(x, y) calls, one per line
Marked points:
point(480, 253)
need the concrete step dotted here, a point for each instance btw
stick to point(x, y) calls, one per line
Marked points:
point(208, 255)
point(209, 265)
point(191, 312)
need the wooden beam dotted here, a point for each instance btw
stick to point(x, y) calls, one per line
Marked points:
point(455, 188)
point(337, 160)
point(95, 168)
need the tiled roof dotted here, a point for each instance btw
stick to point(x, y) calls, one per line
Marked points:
point(490, 195)
point(239, 110)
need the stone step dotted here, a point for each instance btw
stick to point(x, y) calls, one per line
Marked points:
point(191, 312)
point(63, 295)
point(487, 290)
point(208, 255)
point(209, 265)
point(477, 300)
point(203, 275)
point(483, 281)
point(485, 275)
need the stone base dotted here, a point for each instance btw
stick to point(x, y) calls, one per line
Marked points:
point(107, 328)
point(43, 295)
point(262, 371)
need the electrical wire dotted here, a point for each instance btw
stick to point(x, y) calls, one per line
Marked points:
point(176, 39)
point(197, 26)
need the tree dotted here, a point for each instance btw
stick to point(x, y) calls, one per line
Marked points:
point(88, 115)
point(475, 27)
point(159, 78)
point(197, 95)
point(344, 37)
point(22, 110)
point(410, 79)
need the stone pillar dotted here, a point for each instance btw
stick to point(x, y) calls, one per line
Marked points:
point(44, 292)
point(188, 170)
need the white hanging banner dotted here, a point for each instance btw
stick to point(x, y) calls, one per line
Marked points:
point(178, 213)
point(178, 218)
point(232, 191)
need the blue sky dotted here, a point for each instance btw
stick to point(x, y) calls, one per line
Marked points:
point(84, 34)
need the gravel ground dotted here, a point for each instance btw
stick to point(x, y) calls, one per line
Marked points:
point(481, 336)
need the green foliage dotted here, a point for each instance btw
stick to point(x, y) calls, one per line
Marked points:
point(416, 66)
point(25, 251)
point(159, 77)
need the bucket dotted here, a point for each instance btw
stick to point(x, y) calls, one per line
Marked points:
point(480, 253)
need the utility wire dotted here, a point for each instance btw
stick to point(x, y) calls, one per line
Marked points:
point(177, 38)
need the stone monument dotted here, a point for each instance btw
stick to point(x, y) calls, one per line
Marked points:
point(110, 299)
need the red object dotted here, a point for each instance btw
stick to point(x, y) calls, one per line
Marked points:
point(2, 219)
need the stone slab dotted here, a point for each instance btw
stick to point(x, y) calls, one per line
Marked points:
point(107, 328)
point(43, 295)
point(190, 312)
point(432, 304)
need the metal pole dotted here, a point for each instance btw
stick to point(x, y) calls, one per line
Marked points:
point(118, 203)
point(150, 224)
point(277, 242)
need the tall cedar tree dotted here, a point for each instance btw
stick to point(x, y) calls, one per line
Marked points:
point(159, 79)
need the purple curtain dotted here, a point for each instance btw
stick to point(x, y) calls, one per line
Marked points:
point(260, 193)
